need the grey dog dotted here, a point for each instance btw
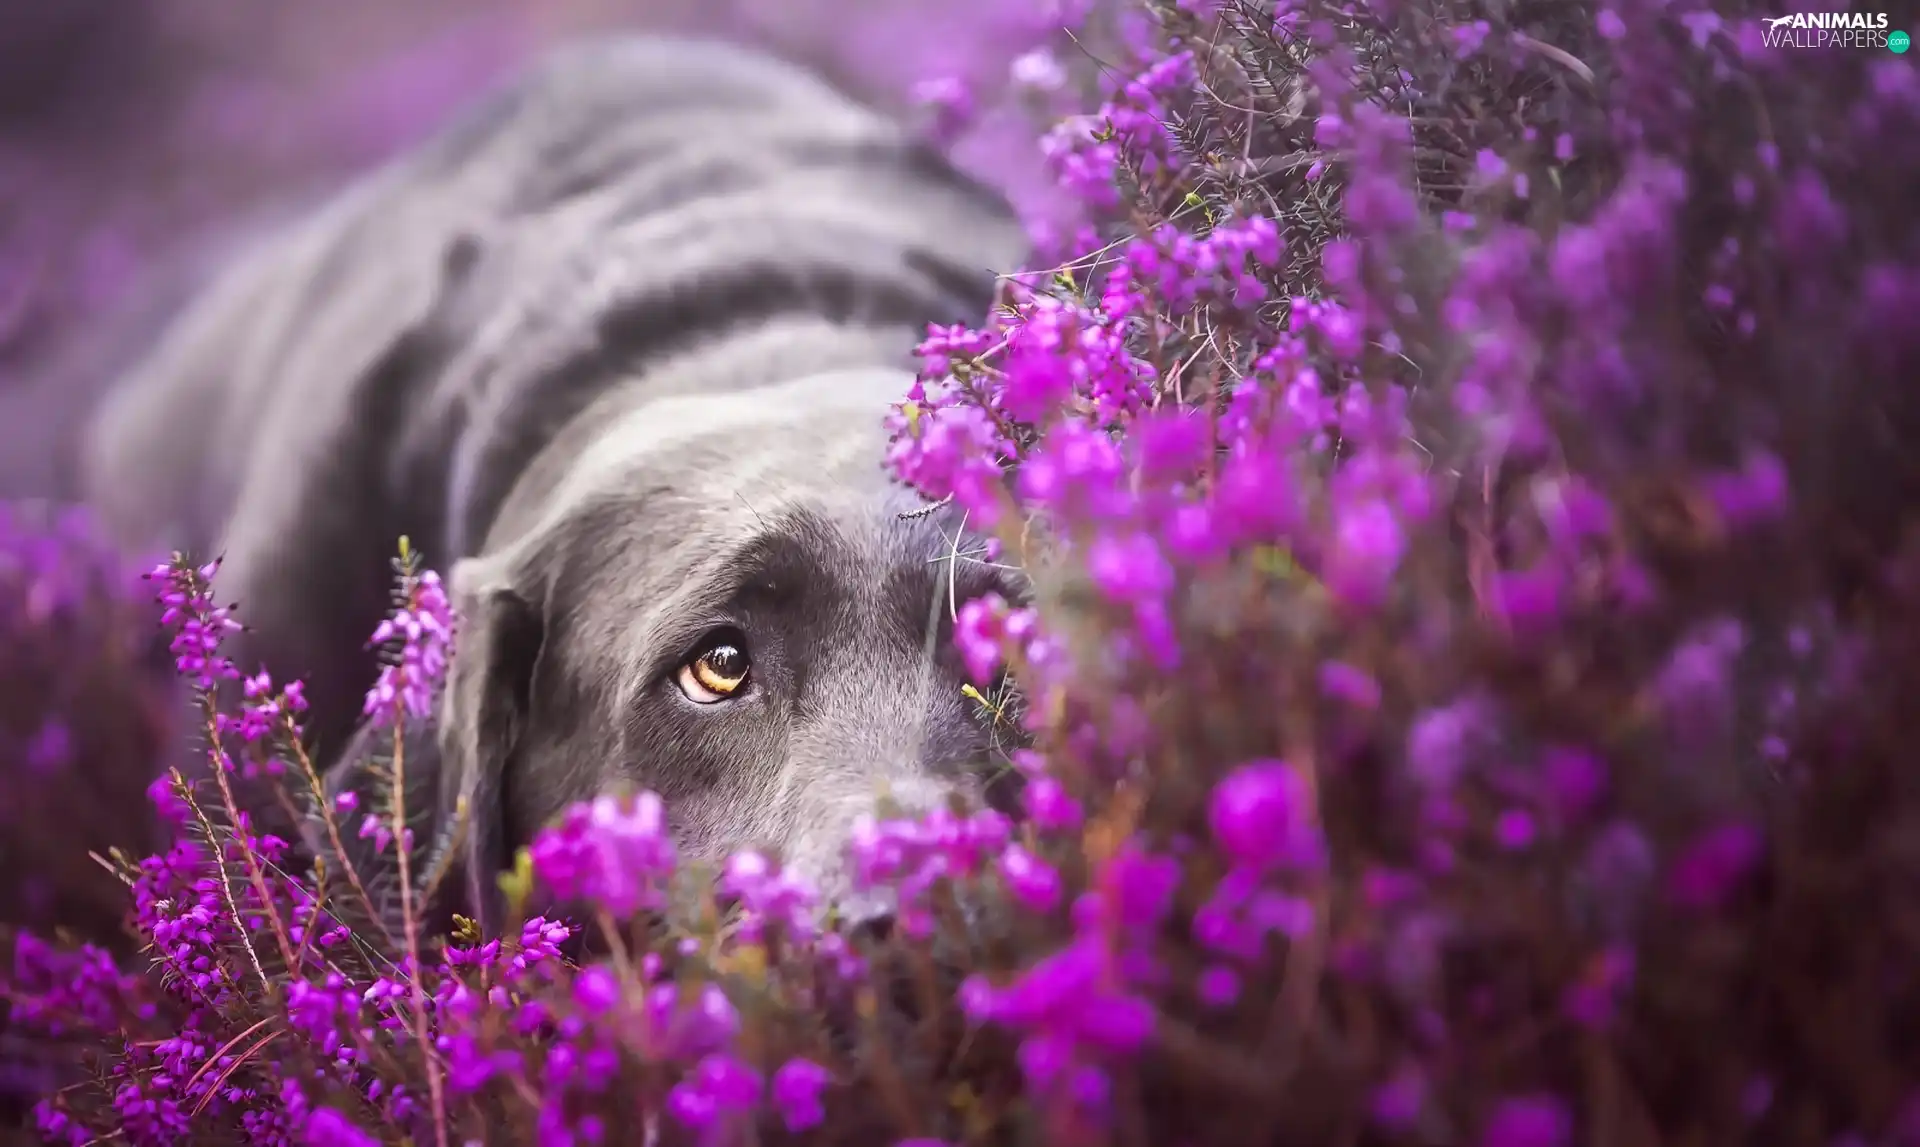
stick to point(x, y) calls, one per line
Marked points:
point(615, 350)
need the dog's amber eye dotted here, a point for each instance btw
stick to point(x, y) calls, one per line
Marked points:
point(717, 670)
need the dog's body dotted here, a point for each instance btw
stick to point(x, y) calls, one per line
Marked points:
point(616, 351)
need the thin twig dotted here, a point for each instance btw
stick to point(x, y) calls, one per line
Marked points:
point(217, 756)
point(226, 879)
point(333, 837)
point(403, 845)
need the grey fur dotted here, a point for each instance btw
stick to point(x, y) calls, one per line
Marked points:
point(617, 349)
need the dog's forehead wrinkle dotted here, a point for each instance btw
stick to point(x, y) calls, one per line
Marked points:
point(752, 451)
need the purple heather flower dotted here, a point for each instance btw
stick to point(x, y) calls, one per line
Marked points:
point(1574, 781)
point(1515, 829)
point(1385, 887)
point(1129, 568)
point(978, 633)
point(1714, 865)
point(379, 829)
point(51, 747)
point(1219, 986)
point(1529, 600)
point(1440, 743)
point(1755, 494)
point(1039, 71)
point(199, 627)
point(1593, 1001)
point(1049, 807)
point(797, 1088)
point(707, 1026)
point(1350, 684)
point(1170, 444)
point(1037, 381)
point(1534, 1121)
point(1262, 817)
point(1255, 498)
point(910, 857)
point(1033, 882)
point(167, 801)
point(1468, 38)
point(263, 707)
point(769, 894)
point(943, 345)
point(423, 631)
point(948, 451)
point(1695, 686)
point(616, 853)
point(719, 1086)
point(1133, 892)
point(328, 1128)
point(1619, 868)
point(540, 942)
point(1068, 1000)
point(1397, 1103)
point(1241, 914)
point(950, 104)
point(56, 1126)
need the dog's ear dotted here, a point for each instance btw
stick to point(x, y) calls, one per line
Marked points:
point(487, 707)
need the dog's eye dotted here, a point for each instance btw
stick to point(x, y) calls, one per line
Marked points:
point(717, 669)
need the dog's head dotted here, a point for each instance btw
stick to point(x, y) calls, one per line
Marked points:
point(717, 598)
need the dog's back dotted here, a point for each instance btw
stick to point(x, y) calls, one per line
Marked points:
point(685, 213)
point(691, 186)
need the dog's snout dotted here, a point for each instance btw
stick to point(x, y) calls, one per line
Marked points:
point(866, 916)
point(876, 928)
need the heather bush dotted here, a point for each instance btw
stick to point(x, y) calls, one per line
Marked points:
point(84, 704)
point(1459, 452)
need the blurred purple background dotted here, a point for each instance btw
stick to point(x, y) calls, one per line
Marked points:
point(128, 127)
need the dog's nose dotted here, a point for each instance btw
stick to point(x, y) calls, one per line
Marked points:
point(875, 929)
point(866, 915)
point(968, 919)
point(866, 918)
